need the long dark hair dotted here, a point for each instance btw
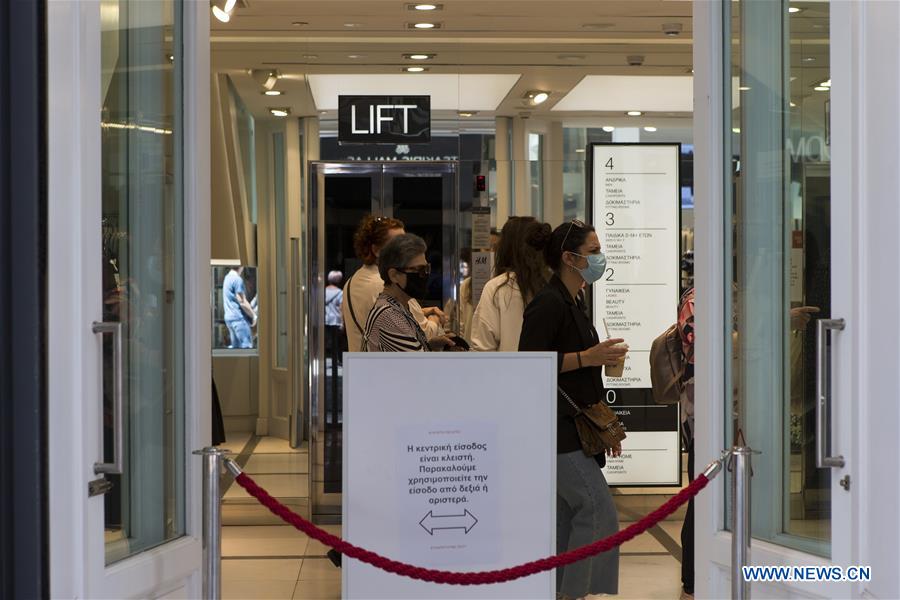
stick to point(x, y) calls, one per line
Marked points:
point(519, 252)
point(568, 237)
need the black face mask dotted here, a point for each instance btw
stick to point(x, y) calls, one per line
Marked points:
point(416, 285)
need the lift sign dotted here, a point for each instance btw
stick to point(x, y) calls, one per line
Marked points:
point(384, 119)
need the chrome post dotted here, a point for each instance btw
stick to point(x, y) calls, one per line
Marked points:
point(212, 521)
point(740, 521)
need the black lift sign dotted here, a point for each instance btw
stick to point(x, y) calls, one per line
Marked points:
point(384, 119)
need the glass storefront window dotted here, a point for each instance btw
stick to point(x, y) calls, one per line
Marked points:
point(235, 310)
point(778, 228)
point(281, 275)
point(142, 269)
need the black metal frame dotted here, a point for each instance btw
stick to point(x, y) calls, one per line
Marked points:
point(24, 544)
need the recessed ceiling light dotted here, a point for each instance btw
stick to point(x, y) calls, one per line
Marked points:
point(356, 56)
point(735, 130)
point(650, 129)
point(822, 88)
point(323, 112)
point(571, 57)
point(280, 112)
point(171, 57)
point(425, 25)
point(579, 149)
point(426, 6)
point(608, 128)
point(793, 105)
point(466, 113)
point(794, 78)
point(273, 92)
point(415, 69)
point(794, 10)
point(299, 23)
point(310, 56)
point(809, 59)
point(634, 113)
point(536, 97)
point(221, 14)
point(419, 56)
point(826, 83)
point(744, 88)
point(352, 25)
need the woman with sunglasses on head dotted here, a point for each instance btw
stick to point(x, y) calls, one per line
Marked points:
point(556, 320)
point(363, 287)
point(520, 273)
point(390, 326)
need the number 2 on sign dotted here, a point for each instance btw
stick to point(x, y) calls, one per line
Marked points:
point(609, 163)
point(610, 272)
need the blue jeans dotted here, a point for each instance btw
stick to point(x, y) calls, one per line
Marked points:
point(585, 513)
point(241, 336)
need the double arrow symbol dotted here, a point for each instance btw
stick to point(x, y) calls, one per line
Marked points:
point(432, 522)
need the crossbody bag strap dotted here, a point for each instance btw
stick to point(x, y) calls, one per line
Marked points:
point(350, 306)
point(577, 408)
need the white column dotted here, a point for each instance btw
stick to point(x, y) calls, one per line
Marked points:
point(554, 161)
point(503, 155)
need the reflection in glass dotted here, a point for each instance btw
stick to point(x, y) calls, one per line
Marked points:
point(235, 308)
point(779, 222)
point(142, 274)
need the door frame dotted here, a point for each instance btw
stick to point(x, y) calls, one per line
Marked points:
point(73, 74)
point(713, 541)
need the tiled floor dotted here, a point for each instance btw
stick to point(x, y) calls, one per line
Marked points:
point(279, 562)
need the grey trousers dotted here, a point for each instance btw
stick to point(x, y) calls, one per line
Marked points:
point(585, 513)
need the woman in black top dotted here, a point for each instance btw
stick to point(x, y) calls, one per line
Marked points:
point(557, 320)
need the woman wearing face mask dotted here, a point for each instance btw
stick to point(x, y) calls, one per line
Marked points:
point(363, 287)
point(556, 320)
point(390, 326)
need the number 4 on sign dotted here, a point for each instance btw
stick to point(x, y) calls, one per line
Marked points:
point(609, 163)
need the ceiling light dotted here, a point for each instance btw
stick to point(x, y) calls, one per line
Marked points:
point(356, 56)
point(463, 113)
point(426, 6)
point(415, 69)
point(744, 88)
point(822, 88)
point(672, 29)
point(794, 10)
point(650, 129)
point(735, 130)
point(353, 24)
point(265, 78)
point(571, 57)
point(280, 112)
point(634, 113)
point(793, 105)
point(419, 56)
point(425, 25)
point(536, 97)
point(220, 14)
point(826, 83)
point(323, 112)
point(579, 149)
point(609, 128)
point(310, 56)
point(809, 59)
point(299, 23)
point(273, 92)
point(171, 57)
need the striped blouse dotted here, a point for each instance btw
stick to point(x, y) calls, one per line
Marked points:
point(391, 328)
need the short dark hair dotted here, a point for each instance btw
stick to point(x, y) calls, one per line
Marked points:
point(568, 237)
point(398, 253)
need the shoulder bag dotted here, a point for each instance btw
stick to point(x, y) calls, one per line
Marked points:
point(598, 426)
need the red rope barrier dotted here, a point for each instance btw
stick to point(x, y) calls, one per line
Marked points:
point(476, 577)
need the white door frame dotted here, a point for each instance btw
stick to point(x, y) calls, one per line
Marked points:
point(74, 301)
point(713, 543)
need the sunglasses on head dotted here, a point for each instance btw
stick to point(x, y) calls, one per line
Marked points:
point(421, 270)
point(572, 223)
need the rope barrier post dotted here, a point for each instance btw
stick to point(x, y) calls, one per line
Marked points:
point(740, 521)
point(212, 521)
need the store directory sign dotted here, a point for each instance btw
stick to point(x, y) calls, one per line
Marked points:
point(635, 197)
point(439, 472)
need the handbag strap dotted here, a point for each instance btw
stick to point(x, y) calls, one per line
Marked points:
point(568, 398)
point(365, 338)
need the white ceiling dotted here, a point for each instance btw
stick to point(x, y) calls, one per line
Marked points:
point(620, 93)
point(560, 46)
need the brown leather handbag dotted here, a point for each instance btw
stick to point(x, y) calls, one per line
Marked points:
point(597, 425)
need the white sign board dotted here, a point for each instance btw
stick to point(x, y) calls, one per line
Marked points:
point(482, 272)
point(636, 203)
point(449, 465)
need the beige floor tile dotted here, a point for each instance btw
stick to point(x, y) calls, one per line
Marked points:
point(235, 441)
point(643, 543)
point(292, 462)
point(292, 485)
point(316, 548)
point(263, 540)
point(273, 445)
point(250, 589)
point(649, 578)
point(318, 568)
point(262, 569)
point(673, 528)
point(321, 589)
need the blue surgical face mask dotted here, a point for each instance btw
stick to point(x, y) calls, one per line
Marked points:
point(596, 267)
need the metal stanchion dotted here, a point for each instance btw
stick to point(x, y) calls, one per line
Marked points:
point(212, 522)
point(740, 521)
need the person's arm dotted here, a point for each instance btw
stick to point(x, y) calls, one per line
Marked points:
point(486, 323)
point(430, 325)
point(245, 306)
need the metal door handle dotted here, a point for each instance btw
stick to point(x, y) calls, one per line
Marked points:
point(117, 331)
point(823, 396)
